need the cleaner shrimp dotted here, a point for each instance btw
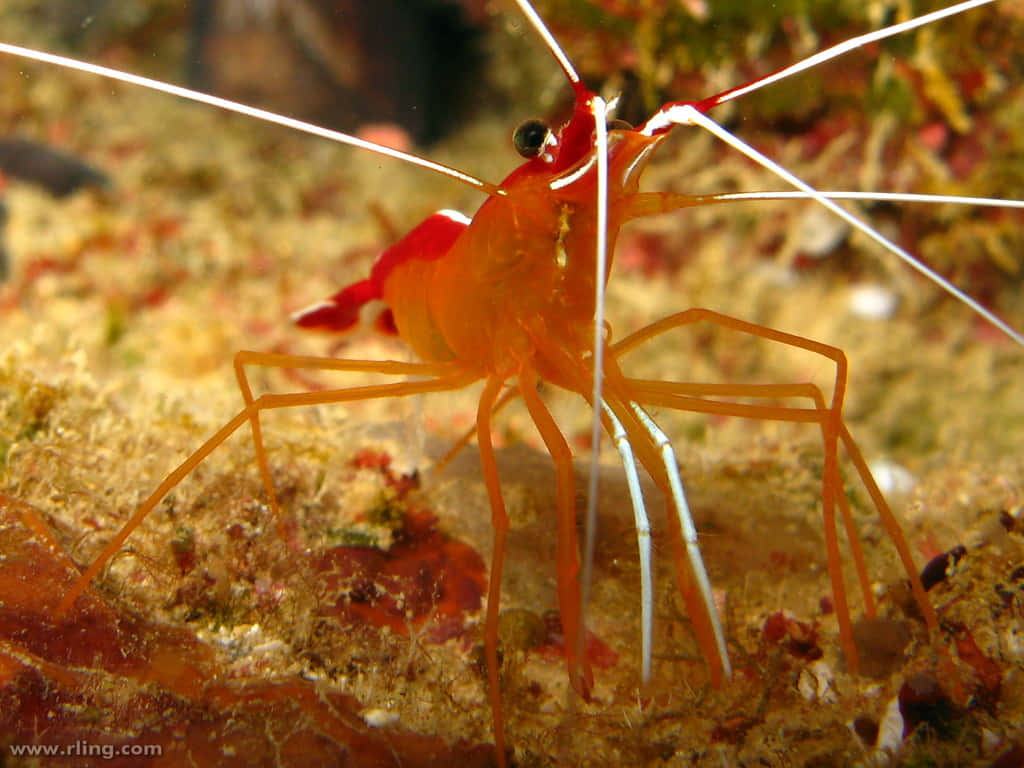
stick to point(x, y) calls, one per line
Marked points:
point(622, 415)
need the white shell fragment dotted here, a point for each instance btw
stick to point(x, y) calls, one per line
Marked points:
point(873, 301)
point(1011, 644)
point(816, 682)
point(895, 481)
point(379, 718)
point(821, 232)
point(890, 729)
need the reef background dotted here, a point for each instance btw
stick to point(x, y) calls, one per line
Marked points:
point(124, 308)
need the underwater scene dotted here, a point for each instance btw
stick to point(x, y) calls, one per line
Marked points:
point(146, 240)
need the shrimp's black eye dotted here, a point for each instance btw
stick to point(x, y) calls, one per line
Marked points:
point(531, 138)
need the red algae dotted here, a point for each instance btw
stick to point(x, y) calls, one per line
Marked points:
point(800, 637)
point(141, 694)
point(423, 576)
point(985, 688)
point(33, 578)
point(597, 652)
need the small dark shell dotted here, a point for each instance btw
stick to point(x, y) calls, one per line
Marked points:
point(938, 567)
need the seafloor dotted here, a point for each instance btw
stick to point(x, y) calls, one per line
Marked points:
point(210, 636)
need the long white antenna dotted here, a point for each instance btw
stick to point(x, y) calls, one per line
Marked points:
point(549, 40)
point(838, 50)
point(243, 109)
point(687, 114)
point(600, 111)
point(870, 197)
point(694, 113)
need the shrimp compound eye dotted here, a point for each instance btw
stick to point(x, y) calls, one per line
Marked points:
point(531, 138)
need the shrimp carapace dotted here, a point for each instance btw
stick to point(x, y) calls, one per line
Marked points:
point(522, 277)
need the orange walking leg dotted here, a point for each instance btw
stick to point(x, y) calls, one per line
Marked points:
point(499, 522)
point(689, 397)
point(446, 378)
point(681, 396)
point(580, 673)
point(246, 358)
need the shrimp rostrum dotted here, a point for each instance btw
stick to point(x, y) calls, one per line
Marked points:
point(513, 297)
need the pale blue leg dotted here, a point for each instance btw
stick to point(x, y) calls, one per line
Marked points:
point(689, 530)
point(643, 538)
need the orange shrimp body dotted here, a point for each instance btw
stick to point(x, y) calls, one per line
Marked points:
point(518, 284)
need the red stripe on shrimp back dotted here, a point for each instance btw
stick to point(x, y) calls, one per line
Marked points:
point(432, 239)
